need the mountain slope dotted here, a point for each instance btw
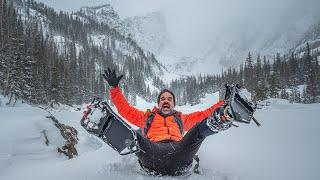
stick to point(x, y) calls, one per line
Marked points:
point(102, 14)
point(231, 47)
point(97, 43)
point(312, 36)
point(149, 31)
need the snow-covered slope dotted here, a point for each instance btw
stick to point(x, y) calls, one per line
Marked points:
point(230, 47)
point(312, 37)
point(99, 28)
point(290, 36)
point(103, 14)
point(227, 45)
point(176, 63)
point(285, 147)
point(149, 31)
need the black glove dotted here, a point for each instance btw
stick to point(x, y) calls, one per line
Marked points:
point(111, 77)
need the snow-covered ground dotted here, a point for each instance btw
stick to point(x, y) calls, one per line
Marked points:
point(287, 146)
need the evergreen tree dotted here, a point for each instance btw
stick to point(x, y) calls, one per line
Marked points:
point(311, 78)
point(295, 93)
point(274, 86)
point(259, 83)
point(248, 72)
point(38, 89)
point(284, 94)
point(55, 88)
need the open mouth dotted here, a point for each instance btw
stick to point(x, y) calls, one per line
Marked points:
point(166, 106)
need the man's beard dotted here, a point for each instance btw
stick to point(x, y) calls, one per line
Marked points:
point(166, 111)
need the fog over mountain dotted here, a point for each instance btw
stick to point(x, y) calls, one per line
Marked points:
point(203, 32)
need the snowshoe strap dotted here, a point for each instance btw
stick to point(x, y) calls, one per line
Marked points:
point(178, 120)
point(196, 167)
point(149, 122)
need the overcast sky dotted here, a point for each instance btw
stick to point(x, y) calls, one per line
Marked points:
point(200, 21)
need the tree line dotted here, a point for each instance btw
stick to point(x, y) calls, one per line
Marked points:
point(279, 77)
point(38, 69)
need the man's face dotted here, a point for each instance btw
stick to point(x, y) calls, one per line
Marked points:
point(166, 104)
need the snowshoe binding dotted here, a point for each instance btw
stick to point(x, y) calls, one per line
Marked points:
point(239, 106)
point(100, 120)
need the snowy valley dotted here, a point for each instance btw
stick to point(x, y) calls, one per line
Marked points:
point(286, 146)
point(52, 64)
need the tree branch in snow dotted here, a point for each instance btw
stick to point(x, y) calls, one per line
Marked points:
point(44, 132)
point(70, 135)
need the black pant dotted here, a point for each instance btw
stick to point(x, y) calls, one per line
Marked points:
point(171, 157)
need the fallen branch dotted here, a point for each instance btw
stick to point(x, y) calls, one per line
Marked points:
point(45, 137)
point(70, 135)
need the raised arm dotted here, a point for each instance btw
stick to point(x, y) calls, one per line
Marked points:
point(189, 120)
point(130, 113)
point(127, 111)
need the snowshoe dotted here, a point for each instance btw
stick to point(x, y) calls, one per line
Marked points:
point(239, 104)
point(100, 120)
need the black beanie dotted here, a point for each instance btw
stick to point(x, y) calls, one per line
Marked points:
point(167, 90)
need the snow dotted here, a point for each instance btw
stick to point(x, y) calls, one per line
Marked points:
point(286, 146)
point(104, 14)
point(205, 50)
point(143, 104)
point(62, 44)
point(300, 50)
point(99, 39)
point(177, 64)
point(149, 31)
point(151, 86)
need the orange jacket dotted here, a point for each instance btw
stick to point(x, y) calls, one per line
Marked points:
point(162, 128)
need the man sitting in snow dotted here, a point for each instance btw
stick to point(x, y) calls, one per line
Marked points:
point(165, 148)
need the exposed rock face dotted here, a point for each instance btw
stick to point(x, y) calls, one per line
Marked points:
point(70, 135)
